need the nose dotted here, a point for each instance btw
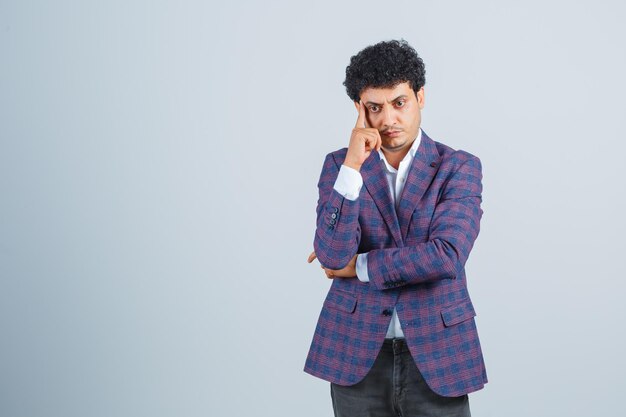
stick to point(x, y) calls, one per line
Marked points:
point(388, 116)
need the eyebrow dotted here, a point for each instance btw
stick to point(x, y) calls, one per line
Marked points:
point(395, 99)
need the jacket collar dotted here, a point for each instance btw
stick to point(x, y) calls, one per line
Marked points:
point(424, 165)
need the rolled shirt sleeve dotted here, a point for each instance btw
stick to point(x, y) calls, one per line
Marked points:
point(349, 182)
point(361, 267)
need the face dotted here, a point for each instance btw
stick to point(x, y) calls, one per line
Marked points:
point(396, 113)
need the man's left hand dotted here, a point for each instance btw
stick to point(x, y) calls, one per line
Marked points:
point(349, 271)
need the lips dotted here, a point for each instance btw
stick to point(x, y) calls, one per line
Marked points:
point(392, 133)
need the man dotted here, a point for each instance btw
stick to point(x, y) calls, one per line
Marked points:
point(396, 335)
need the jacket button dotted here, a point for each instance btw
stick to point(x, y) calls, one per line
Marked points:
point(433, 164)
point(335, 209)
point(387, 312)
point(333, 221)
point(334, 215)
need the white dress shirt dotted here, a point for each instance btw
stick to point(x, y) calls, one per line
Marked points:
point(349, 182)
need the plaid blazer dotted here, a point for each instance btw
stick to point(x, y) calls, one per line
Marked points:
point(416, 258)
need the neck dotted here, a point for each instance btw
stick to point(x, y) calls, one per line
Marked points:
point(394, 158)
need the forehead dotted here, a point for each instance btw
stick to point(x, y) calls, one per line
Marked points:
point(380, 95)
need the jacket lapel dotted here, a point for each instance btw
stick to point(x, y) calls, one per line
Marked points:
point(376, 183)
point(423, 169)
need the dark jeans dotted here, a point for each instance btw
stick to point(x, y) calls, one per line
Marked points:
point(394, 387)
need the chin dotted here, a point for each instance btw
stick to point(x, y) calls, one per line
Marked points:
point(396, 144)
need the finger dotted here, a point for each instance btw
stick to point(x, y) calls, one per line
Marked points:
point(312, 256)
point(376, 140)
point(372, 141)
point(360, 121)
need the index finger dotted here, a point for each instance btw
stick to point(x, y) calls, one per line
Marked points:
point(312, 256)
point(360, 121)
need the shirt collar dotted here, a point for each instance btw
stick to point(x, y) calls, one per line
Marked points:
point(410, 154)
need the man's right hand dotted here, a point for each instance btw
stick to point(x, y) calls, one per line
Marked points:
point(362, 142)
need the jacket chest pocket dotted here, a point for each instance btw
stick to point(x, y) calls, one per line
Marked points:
point(419, 227)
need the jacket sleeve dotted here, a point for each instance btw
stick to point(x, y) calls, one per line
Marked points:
point(453, 229)
point(337, 232)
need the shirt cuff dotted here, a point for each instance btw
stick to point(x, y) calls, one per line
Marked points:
point(361, 267)
point(349, 182)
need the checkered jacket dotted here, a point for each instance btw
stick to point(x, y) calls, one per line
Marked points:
point(416, 259)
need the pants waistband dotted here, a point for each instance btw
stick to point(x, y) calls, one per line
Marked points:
point(395, 345)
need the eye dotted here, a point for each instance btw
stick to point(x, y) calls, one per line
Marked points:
point(374, 109)
point(400, 103)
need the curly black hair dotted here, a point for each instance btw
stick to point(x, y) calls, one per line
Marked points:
point(384, 65)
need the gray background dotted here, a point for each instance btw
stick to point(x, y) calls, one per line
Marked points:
point(158, 172)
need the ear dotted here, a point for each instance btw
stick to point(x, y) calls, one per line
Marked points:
point(420, 97)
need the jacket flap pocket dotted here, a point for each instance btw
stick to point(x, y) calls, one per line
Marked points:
point(457, 313)
point(341, 300)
